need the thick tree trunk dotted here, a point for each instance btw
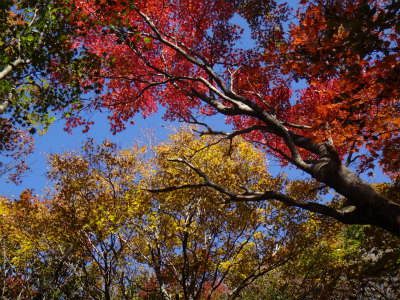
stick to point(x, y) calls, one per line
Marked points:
point(364, 204)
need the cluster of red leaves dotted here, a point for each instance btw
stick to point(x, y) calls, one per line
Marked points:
point(349, 53)
point(343, 49)
point(132, 56)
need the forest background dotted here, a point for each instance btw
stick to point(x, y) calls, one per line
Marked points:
point(202, 214)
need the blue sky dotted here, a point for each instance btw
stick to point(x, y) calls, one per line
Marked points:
point(56, 140)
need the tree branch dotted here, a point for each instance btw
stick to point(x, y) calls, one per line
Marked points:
point(348, 216)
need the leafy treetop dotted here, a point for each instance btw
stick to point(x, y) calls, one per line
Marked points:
point(182, 55)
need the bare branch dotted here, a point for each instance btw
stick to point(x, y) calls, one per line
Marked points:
point(207, 180)
point(11, 66)
point(350, 158)
point(175, 188)
point(297, 126)
point(345, 216)
point(261, 99)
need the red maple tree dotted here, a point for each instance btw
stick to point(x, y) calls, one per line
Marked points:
point(183, 55)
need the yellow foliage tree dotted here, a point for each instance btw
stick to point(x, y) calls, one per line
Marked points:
point(159, 222)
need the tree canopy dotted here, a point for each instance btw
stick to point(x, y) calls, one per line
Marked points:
point(99, 234)
point(184, 56)
point(199, 216)
point(37, 71)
